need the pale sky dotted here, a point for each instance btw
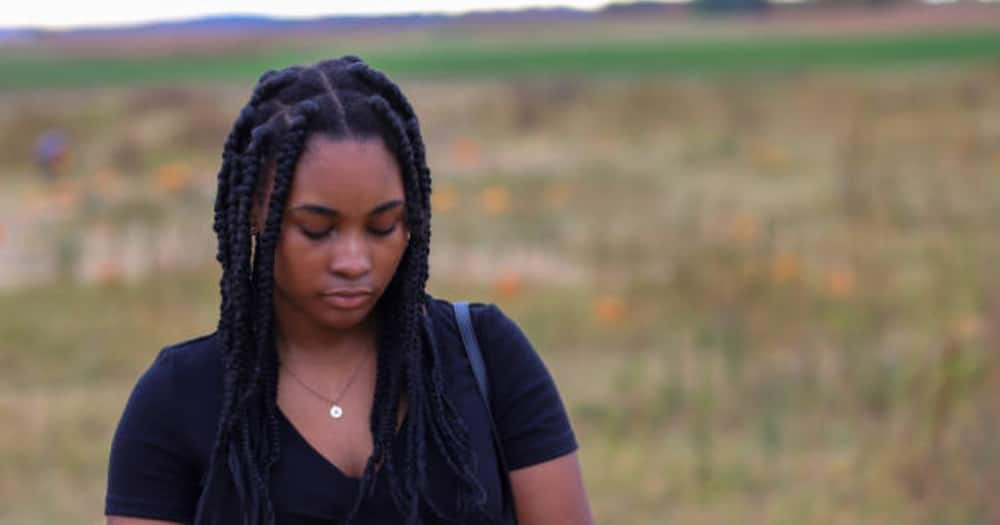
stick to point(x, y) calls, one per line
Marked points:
point(55, 15)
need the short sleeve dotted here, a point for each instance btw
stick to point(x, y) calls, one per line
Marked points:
point(151, 474)
point(530, 417)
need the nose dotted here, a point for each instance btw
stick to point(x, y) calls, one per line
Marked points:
point(351, 258)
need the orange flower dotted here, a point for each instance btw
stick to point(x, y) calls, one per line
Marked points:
point(968, 326)
point(174, 177)
point(444, 199)
point(109, 273)
point(785, 268)
point(768, 157)
point(609, 310)
point(495, 200)
point(509, 284)
point(466, 153)
point(841, 283)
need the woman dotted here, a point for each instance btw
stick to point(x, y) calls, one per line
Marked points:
point(335, 389)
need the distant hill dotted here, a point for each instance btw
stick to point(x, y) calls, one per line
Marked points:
point(266, 24)
point(235, 30)
point(16, 34)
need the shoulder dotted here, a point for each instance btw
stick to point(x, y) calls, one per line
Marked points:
point(501, 340)
point(191, 354)
point(512, 363)
point(529, 414)
point(488, 319)
point(180, 366)
point(181, 357)
point(176, 402)
point(180, 390)
point(163, 438)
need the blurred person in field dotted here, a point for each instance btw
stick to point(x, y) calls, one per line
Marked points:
point(52, 153)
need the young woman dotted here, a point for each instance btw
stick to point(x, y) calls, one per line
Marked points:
point(335, 389)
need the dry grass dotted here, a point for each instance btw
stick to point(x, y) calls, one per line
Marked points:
point(766, 300)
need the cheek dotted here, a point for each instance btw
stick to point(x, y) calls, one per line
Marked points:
point(390, 254)
point(292, 260)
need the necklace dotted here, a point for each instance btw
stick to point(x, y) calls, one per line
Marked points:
point(336, 411)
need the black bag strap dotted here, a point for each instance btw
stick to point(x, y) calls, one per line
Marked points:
point(472, 350)
point(471, 344)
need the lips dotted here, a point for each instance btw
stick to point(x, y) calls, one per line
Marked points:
point(346, 298)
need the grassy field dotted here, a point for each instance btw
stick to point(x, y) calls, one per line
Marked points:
point(765, 298)
point(451, 57)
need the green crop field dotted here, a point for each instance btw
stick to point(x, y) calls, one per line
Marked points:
point(454, 57)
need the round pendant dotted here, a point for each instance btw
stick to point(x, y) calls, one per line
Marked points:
point(336, 412)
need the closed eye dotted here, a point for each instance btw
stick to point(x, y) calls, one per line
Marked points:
point(317, 235)
point(383, 233)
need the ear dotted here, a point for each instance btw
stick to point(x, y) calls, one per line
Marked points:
point(262, 196)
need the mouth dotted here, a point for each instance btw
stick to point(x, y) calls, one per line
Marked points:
point(346, 299)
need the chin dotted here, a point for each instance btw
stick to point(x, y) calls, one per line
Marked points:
point(343, 319)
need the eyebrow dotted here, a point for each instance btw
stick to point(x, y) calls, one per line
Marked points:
point(330, 212)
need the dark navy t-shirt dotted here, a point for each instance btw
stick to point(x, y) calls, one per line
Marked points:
point(164, 439)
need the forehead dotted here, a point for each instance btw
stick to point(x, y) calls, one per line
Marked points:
point(345, 174)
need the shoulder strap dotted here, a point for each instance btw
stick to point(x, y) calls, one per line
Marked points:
point(471, 345)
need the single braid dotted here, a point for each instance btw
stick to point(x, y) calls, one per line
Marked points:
point(264, 280)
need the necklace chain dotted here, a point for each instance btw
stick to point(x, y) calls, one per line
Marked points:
point(336, 411)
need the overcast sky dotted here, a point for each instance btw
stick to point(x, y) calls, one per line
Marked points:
point(19, 13)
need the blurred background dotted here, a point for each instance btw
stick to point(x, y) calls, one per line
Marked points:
point(753, 241)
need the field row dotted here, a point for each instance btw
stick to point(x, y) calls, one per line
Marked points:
point(450, 57)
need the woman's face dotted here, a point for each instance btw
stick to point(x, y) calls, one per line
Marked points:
point(343, 232)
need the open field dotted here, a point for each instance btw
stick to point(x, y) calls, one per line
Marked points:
point(766, 298)
point(451, 58)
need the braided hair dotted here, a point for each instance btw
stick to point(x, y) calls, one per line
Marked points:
point(339, 98)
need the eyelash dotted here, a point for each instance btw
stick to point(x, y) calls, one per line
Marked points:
point(319, 235)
